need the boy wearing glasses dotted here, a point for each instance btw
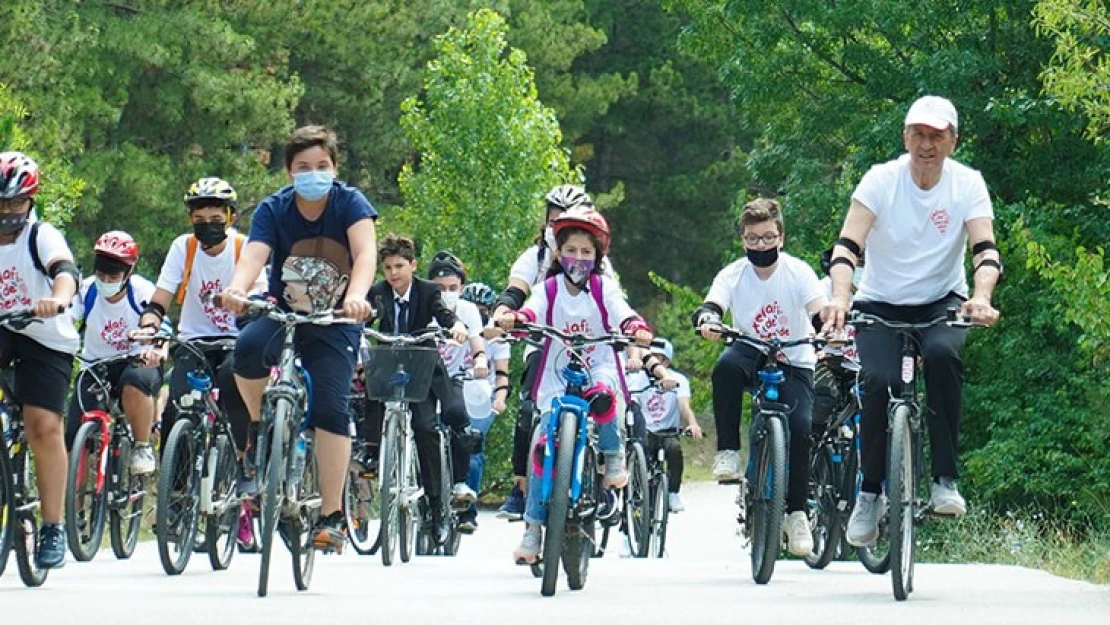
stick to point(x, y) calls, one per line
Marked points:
point(772, 295)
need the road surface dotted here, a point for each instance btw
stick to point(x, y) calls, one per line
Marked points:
point(705, 579)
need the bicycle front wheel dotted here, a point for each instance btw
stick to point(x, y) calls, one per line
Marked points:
point(410, 517)
point(558, 508)
point(275, 488)
point(637, 507)
point(823, 498)
point(768, 501)
point(578, 546)
point(28, 522)
point(178, 499)
point(901, 483)
point(660, 515)
point(126, 513)
point(7, 507)
point(390, 493)
point(86, 504)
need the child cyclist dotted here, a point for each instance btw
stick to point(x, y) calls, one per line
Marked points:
point(109, 304)
point(771, 295)
point(39, 276)
point(576, 297)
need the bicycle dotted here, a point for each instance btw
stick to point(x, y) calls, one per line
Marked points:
point(361, 498)
point(22, 518)
point(762, 496)
point(646, 505)
point(659, 510)
point(100, 483)
point(199, 471)
point(399, 373)
point(569, 483)
point(908, 505)
point(289, 484)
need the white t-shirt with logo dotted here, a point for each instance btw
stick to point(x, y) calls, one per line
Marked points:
point(774, 308)
point(107, 324)
point(21, 285)
point(457, 358)
point(660, 407)
point(210, 274)
point(578, 314)
point(915, 251)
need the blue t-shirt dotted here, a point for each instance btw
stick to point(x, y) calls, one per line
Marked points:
point(312, 258)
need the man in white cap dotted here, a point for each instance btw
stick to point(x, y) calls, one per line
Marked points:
point(916, 216)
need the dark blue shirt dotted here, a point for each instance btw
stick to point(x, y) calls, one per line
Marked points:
point(313, 255)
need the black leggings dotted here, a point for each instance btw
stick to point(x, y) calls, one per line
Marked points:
point(672, 451)
point(222, 362)
point(522, 433)
point(736, 372)
point(880, 352)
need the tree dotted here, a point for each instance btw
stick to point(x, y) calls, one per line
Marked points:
point(488, 150)
point(1079, 73)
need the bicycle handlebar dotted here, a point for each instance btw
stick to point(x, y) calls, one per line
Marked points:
point(536, 332)
point(19, 320)
point(420, 337)
point(952, 320)
point(764, 346)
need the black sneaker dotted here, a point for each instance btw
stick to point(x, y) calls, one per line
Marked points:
point(468, 522)
point(330, 532)
point(51, 553)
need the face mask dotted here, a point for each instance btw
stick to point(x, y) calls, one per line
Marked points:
point(857, 277)
point(549, 238)
point(11, 224)
point(763, 258)
point(108, 290)
point(450, 298)
point(578, 270)
point(312, 185)
point(210, 234)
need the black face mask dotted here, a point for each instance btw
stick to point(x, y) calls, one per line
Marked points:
point(763, 258)
point(210, 234)
point(13, 223)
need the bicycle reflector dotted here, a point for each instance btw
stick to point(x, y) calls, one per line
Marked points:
point(771, 380)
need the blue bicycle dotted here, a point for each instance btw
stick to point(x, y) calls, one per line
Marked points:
point(570, 482)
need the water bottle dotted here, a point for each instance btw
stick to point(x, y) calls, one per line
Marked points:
point(300, 452)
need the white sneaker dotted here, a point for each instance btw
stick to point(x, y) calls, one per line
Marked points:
point(142, 460)
point(946, 499)
point(461, 493)
point(675, 502)
point(799, 537)
point(863, 525)
point(726, 466)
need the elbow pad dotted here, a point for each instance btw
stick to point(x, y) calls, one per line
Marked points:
point(65, 266)
point(706, 309)
point(512, 298)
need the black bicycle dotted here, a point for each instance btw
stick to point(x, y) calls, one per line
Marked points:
point(908, 499)
point(362, 500)
point(762, 496)
point(21, 518)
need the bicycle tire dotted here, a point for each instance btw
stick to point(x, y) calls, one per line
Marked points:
point(559, 506)
point(85, 506)
point(28, 524)
point(307, 495)
point(410, 517)
point(362, 512)
point(275, 487)
point(125, 515)
point(901, 484)
point(221, 530)
point(637, 508)
point(390, 468)
point(769, 502)
point(660, 515)
point(177, 476)
point(823, 495)
point(578, 544)
point(7, 507)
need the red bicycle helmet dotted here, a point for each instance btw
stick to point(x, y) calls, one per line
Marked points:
point(19, 175)
point(118, 245)
point(588, 219)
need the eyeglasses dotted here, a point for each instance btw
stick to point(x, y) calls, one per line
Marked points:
point(755, 239)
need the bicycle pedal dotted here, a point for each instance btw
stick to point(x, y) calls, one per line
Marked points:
point(729, 482)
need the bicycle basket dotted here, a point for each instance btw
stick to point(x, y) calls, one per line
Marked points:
point(400, 373)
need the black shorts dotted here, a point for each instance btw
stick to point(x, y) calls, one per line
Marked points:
point(147, 380)
point(41, 374)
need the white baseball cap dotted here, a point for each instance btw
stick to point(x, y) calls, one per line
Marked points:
point(663, 347)
point(478, 397)
point(934, 112)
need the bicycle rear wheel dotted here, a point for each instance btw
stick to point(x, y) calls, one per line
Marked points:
point(307, 496)
point(768, 501)
point(178, 499)
point(28, 522)
point(363, 510)
point(125, 513)
point(86, 505)
point(558, 508)
point(660, 515)
point(637, 505)
point(390, 493)
point(823, 498)
point(7, 507)
point(275, 489)
point(221, 528)
point(901, 483)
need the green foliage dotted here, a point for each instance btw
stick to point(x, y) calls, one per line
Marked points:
point(1079, 73)
point(489, 150)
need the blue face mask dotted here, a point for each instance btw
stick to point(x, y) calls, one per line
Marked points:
point(313, 185)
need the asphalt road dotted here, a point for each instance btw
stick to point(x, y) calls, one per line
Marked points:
point(705, 579)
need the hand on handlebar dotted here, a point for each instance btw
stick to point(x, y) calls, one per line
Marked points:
point(667, 383)
point(979, 312)
point(835, 313)
point(357, 308)
point(508, 320)
point(710, 330)
point(48, 307)
point(233, 300)
point(695, 431)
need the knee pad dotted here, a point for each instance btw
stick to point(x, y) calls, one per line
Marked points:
point(526, 416)
point(603, 403)
point(537, 454)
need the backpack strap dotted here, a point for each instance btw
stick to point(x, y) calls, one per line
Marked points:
point(131, 298)
point(33, 241)
point(90, 299)
point(551, 286)
point(595, 292)
point(191, 255)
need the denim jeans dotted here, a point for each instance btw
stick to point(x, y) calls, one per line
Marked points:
point(478, 460)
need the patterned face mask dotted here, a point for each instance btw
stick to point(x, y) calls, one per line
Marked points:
point(577, 269)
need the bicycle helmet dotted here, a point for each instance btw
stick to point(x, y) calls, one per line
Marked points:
point(119, 246)
point(585, 218)
point(19, 176)
point(211, 191)
point(565, 196)
point(446, 264)
point(480, 294)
